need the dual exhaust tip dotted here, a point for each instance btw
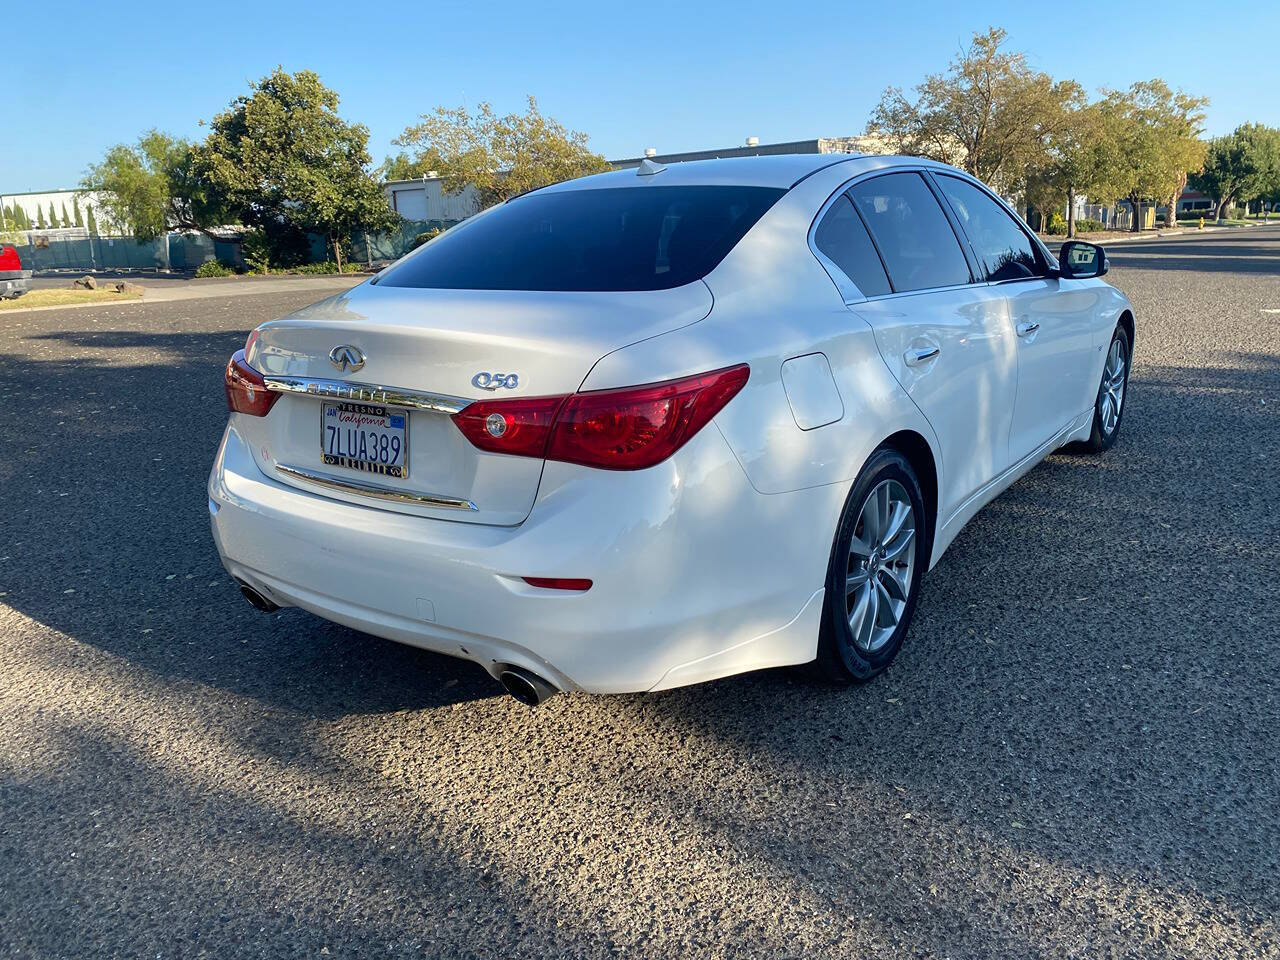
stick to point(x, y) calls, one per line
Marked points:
point(525, 685)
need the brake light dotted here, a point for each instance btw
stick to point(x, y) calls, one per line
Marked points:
point(625, 429)
point(637, 427)
point(9, 259)
point(246, 390)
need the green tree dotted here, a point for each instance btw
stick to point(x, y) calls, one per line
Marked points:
point(1080, 160)
point(66, 220)
point(40, 224)
point(500, 157)
point(11, 226)
point(91, 222)
point(152, 187)
point(404, 167)
point(1156, 135)
point(1243, 165)
point(75, 209)
point(990, 113)
point(283, 158)
point(53, 217)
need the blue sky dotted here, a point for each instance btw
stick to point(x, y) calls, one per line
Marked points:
point(676, 76)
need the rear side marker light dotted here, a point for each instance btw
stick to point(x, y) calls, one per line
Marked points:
point(626, 429)
point(558, 583)
point(246, 390)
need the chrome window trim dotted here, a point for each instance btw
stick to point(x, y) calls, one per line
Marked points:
point(380, 493)
point(846, 287)
point(366, 393)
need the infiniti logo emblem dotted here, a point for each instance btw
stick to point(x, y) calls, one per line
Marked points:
point(346, 358)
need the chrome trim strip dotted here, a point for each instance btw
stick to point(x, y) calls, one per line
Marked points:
point(381, 493)
point(366, 393)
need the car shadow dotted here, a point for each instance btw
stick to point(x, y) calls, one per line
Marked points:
point(1084, 677)
point(106, 532)
point(1056, 692)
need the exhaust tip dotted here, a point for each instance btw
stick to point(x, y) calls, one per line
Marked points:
point(257, 600)
point(529, 688)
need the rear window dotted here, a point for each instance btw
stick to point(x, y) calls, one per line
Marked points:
point(620, 238)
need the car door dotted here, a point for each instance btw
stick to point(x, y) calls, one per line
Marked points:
point(1053, 318)
point(945, 338)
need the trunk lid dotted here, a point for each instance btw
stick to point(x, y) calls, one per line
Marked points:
point(438, 341)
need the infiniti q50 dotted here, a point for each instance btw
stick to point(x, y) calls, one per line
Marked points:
point(657, 426)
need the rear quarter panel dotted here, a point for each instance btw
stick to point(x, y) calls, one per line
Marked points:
point(774, 301)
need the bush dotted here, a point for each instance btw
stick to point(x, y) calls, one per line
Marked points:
point(422, 238)
point(212, 268)
point(1057, 225)
point(256, 251)
point(324, 266)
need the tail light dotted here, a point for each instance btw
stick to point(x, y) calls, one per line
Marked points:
point(626, 429)
point(246, 390)
point(9, 259)
point(520, 427)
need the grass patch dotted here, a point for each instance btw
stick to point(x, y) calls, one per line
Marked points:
point(63, 298)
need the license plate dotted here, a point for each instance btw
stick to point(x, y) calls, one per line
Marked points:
point(364, 436)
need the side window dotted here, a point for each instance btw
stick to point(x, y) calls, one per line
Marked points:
point(912, 233)
point(997, 239)
point(843, 240)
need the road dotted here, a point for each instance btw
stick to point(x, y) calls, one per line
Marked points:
point(1076, 754)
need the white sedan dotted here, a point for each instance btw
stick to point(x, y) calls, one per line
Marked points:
point(658, 426)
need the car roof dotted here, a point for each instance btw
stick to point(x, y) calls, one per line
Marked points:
point(782, 171)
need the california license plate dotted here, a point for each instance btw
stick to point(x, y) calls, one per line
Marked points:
point(364, 436)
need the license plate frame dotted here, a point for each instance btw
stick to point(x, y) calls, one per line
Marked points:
point(345, 461)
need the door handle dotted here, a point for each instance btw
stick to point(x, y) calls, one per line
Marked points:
point(918, 355)
point(1027, 327)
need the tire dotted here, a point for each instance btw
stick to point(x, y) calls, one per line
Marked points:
point(853, 648)
point(1105, 429)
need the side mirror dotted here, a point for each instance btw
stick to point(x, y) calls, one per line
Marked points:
point(1078, 260)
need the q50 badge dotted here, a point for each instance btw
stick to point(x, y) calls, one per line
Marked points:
point(493, 381)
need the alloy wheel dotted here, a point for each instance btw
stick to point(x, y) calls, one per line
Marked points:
point(881, 564)
point(1111, 393)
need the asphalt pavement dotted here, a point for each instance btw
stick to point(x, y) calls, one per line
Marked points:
point(1077, 753)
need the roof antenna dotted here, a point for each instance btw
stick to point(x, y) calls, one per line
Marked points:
point(649, 167)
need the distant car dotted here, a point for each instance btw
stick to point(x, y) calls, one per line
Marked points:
point(654, 427)
point(14, 281)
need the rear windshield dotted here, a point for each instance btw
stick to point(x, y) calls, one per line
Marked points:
point(621, 238)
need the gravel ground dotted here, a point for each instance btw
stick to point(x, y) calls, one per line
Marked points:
point(1075, 755)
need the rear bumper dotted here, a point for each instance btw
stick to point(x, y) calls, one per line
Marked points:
point(695, 574)
point(14, 283)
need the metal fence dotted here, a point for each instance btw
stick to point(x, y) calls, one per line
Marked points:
point(395, 243)
point(186, 251)
point(94, 253)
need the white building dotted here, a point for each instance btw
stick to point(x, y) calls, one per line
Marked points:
point(425, 199)
point(54, 205)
